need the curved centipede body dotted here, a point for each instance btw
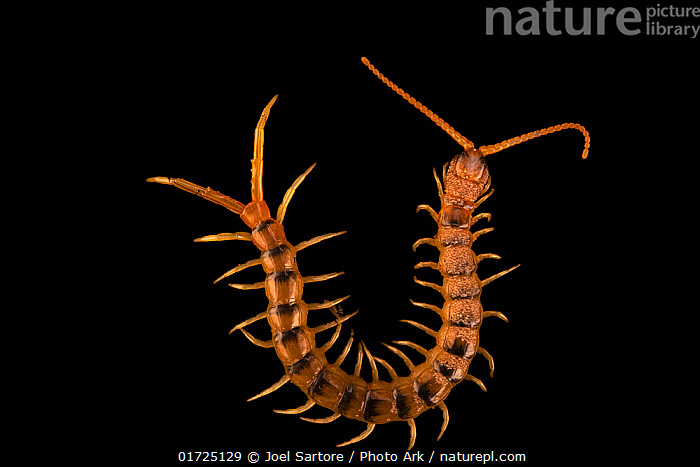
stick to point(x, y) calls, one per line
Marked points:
point(464, 187)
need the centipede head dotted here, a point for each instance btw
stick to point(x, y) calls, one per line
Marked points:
point(469, 165)
point(467, 175)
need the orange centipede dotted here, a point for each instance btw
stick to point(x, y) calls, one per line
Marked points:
point(464, 187)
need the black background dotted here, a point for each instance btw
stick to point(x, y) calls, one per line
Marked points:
point(178, 93)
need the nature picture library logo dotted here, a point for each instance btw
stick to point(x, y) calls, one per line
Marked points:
point(658, 20)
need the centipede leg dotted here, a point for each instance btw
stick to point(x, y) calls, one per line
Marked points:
point(325, 347)
point(358, 363)
point(300, 409)
point(322, 277)
point(372, 363)
point(483, 215)
point(346, 350)
point(256, 341)
point(257, 285)
point(360, 437)
point(498, 314)
point(315, 240)
point(329, 419)
point(425, 241)
point(402, 355)
point(496, 276)
point(445, 418)
point(484, 256)
point(323, 327)
point(274, 387)
point(430, 210)
point(481, 232)
point(422, 327)
point(412, 426)
point(488, 356)
point(414, 346)
point(256, 189)
point(428, 306)
point(206, 193)
point(225, 236)
point(240, 267)
point(290, 192)
point(388, 367)
point(428, 284)
point(476, 380)
point(427, 264)
point(484, 198)
point(245, 323)
point(327, 304)
point(439, 184)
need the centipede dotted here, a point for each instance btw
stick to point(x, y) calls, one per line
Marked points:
point(464, 186)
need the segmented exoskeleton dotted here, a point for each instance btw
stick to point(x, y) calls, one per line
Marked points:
point(466, 183)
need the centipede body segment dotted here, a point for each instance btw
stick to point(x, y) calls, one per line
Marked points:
point(464, 186)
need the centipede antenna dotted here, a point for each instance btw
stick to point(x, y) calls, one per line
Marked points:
point(464, 142)
point(256, 189)
point(274, 387)
point(240, 267)
point(494, 148)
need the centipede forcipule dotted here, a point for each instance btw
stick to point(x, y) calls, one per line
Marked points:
point(464, 186)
